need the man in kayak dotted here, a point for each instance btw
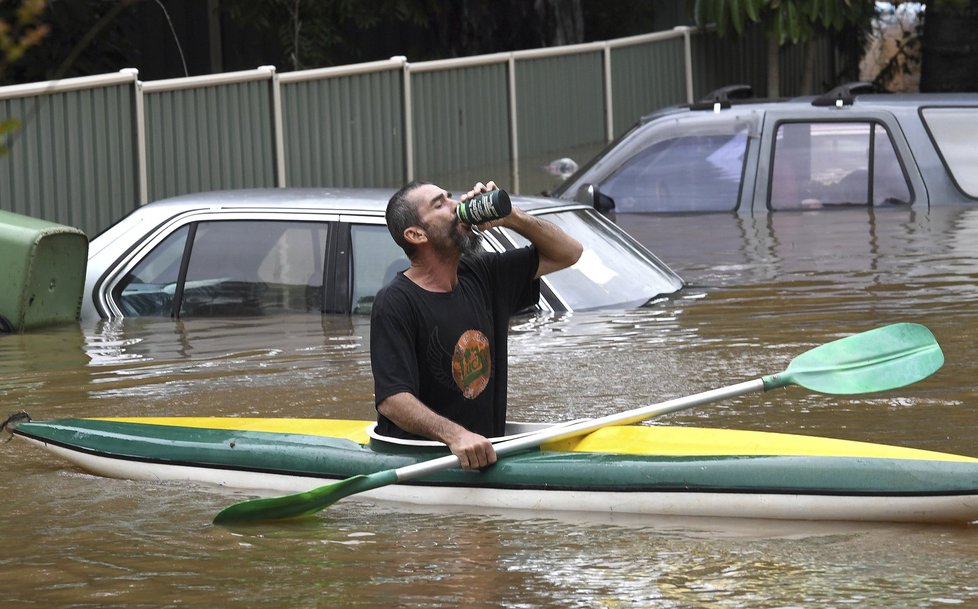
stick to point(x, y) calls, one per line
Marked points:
point(438, 330)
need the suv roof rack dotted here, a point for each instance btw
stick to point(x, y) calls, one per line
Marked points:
point(721, 98)
point(843, 95)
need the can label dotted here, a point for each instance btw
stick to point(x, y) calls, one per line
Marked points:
point(487, 206)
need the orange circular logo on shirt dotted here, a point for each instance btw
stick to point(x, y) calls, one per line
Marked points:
point(471, 363)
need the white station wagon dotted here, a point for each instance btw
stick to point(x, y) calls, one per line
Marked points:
point(265, 252)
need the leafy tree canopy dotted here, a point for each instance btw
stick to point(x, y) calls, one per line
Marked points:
point(789, 21)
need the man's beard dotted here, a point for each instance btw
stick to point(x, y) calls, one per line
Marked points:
point(468, 242)
point(459, 242)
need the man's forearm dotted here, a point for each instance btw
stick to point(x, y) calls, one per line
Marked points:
point(557, 249)
point(411, 415)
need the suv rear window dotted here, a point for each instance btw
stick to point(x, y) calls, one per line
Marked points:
point(954, 132)
point(835, 163)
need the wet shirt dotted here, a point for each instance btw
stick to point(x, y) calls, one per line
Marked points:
point(449, 349)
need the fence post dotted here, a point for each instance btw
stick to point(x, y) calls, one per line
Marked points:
point(688, 60)
point(142, 181)
point(408, 120)
point(278, 138)
point(514, 140)
point(608, 95)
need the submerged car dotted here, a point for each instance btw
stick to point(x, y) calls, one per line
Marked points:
point(730, 153)
point(262, 252)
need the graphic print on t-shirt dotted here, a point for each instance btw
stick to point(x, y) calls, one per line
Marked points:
point(471, 363)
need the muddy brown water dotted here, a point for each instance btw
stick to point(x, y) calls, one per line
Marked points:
point(762, 290)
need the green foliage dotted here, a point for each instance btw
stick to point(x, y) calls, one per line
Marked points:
point(310, 31)
point(787, 20)
point(7, 126)
point(19, 31)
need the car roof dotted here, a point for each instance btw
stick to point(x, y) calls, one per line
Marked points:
point(360, 201)
point(370, 200)
point(856, 101)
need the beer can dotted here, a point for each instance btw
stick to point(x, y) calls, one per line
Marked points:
point(484, 207)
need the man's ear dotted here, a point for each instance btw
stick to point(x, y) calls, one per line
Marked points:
point(415, 235)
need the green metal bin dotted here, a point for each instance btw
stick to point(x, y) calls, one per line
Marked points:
point(42, 272)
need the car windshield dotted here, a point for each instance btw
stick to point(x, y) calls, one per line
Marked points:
point(612, 271)
point(693, 165)
point(690, 173)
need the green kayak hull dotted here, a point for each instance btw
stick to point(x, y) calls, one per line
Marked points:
point(635, 469)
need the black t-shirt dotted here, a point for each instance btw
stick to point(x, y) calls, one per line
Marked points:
point(449, 349)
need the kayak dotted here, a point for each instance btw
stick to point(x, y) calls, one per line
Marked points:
point(635, 469)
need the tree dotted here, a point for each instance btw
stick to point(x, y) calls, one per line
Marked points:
point(950, 55)
point(785, 22)
point(19, 30)
point(316, 33)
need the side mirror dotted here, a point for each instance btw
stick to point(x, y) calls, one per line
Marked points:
point(589, 194)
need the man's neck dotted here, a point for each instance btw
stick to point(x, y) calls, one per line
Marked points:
point(434, 274)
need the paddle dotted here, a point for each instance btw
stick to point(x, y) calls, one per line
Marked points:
point(877, 360)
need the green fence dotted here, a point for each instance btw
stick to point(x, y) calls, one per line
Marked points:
point(92, 149)
point(74, 160)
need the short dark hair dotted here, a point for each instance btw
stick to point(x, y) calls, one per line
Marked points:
point(402, 213)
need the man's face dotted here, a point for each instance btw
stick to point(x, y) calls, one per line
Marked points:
point(446, 233)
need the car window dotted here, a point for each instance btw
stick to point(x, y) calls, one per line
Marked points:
point(610, 272)
point(831, 163)
point(149, 287)
point(954, 132)
point(700, 172)
point(248, 267)
point(236, 267)
point(376, 260)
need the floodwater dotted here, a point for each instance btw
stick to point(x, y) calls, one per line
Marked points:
point(762, 290)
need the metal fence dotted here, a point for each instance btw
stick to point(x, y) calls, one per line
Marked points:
point(92, 149)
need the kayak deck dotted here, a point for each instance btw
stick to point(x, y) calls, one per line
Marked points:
point(626, 439)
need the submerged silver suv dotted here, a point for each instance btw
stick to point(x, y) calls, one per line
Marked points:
point(730, 153)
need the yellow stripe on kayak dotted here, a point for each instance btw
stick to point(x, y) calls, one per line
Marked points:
point(332, 428)
point(705, 442)
point(663, 440)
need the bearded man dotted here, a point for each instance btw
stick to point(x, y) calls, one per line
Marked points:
point(438, 330)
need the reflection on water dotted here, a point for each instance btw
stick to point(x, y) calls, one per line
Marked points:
point(762, 290)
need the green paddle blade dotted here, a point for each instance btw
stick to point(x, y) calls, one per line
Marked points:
point(302, 504)
point(877, 360)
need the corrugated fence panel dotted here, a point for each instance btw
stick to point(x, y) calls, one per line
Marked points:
point(646, 77)
point(209, 138)
point(560, 112)
point(792, 64)
point(345, 130)
point(73, 162)
point(461, 125)
point(718, 62)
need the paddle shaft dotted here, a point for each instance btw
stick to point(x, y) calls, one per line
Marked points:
point(563, 432)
